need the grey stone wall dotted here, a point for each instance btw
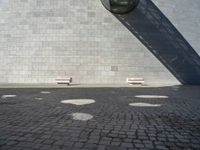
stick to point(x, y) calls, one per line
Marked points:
point(185, 16)
point(41, 40)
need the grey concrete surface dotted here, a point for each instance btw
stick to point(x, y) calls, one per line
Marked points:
point(163, 118)
point(42, 40)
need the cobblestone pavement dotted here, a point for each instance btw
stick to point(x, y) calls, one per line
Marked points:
point(159, 118)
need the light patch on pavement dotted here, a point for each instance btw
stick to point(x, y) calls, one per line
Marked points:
point(176, 88)
point(38, 98)
point(113, 92)
point(81, 116)
point(78, 101)
point(151, 96)
point(8, 96)
point(45, 92)
point(144, 105)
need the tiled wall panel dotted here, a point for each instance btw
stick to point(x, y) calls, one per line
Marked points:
point(41, 40)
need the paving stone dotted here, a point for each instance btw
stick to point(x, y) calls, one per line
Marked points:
point(115, 143)
point(128, 145)
point(139, 145)
point(101, 147)
point(78, 144)
point(40, 125)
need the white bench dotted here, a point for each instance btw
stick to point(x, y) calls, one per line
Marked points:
point(135, 80)
point(64, 80)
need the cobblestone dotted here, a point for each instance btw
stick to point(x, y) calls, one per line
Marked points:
point(29, 124)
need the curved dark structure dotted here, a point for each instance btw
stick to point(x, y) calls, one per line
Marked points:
point(120, 6)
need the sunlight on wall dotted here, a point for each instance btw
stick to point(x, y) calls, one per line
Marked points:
point(78, 101)
point(144, 105)
point(81, 116)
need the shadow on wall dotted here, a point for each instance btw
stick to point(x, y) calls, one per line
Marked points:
point(159, 35)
